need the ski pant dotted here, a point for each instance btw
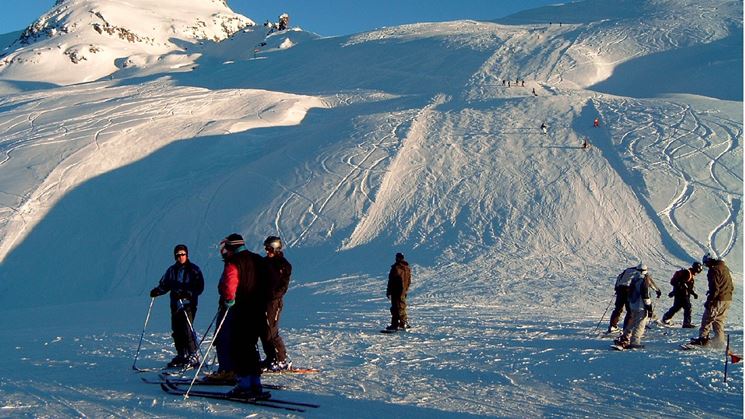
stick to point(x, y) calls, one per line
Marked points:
point(715, 314)
point(682, 300)
point(184, 338)
point(236, 342)
point(633, 330)
point(398, 310)
point(622, 301)
point(271, 341)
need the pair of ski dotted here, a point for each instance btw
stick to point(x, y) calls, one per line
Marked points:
point(179, 390)
point(181, 381)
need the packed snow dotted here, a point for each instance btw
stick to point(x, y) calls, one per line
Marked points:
point(423, 139)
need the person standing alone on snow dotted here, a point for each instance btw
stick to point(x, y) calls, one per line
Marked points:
point(683, 282)
point(718, 301)
point(399, 279)
point(640, 307)
point(185, 282)
point(279, 271)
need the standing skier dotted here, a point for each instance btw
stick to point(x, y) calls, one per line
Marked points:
point(185, 282)
point(399, 279)
point(243, 298)
point(683, 287)
point(640, 307)
point(623, 282)
point(596, 123)
point(544, 128)
point(718, 300)
point(279, 271)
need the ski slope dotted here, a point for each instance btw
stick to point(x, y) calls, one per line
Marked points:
point(354, 148)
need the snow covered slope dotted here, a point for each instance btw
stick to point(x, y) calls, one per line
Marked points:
point(84, 40)
point(419, 138)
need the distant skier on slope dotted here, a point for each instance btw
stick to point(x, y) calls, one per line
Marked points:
point(585, 144)
point(284, 22)
point(718, 301)
point(185, 282)
point(683, 287)
point(544, 128)
point(399, 279)
point(596, 123)
point(640, 307)
point(623, 282)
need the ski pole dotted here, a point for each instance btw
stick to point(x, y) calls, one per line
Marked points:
point(214, 338)
point(206, 332)
point(147, 319)
point(726, 359)
point(603, 316)
point(188, 321)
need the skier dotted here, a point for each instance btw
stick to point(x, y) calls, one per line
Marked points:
point(279, 271)
point(534, 93)
point(683, 283)
point(623, 282)
point(185, 282)
point(399, 279)
point(596, 123)
point(243, 298)
point(585, 144)
point(640, 307)
point(718, 300)
point(544, 128)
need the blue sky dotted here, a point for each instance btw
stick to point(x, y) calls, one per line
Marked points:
point(325, 17)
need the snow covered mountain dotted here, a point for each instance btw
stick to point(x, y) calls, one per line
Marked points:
point(420, 138)
point(84, 40)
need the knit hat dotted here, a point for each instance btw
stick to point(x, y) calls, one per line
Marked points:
point(180, 247)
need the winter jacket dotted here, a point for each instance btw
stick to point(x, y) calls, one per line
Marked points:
point(625, 278)
point(399, 279)
point(720, 282)
point(184, 282)
point(639, 293)
point(279, 271)
point(243, 280)
point(683, 282)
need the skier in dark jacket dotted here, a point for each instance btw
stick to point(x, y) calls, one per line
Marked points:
point(623, 282)
point(278, 280)
point(185, 282)
point(718, 300)
point(683, 287)
point(399, 279)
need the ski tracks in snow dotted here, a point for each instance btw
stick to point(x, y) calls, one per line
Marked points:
point(695, 152)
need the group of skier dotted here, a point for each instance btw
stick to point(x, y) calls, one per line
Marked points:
point(633, 288)
point(251, 290)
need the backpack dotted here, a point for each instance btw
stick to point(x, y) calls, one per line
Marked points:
point(624, 278)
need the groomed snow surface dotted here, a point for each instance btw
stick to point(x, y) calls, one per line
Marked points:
point(352, 149)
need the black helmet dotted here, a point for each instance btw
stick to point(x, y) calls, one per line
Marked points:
point(697, 267)
point(273, 242)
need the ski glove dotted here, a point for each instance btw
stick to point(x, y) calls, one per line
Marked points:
point(155, 292)
point(659, 293)
point(672, 294)
point(695, 296)
point(649, 310)
point(228, 303)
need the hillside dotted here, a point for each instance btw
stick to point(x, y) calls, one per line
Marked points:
point(353, 148)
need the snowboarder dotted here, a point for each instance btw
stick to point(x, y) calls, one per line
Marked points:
point(718, 301)
point(399, 279)
point(623, 282)
point(243, 300)
point(596, 123)
point(185, 282)
point(279, 271)
point(640, 307)
point(544, 128)
point(683, 287)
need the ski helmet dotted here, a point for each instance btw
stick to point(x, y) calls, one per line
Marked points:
point(273, 242)
point(641, 267)
point(696, 267)
point(709, 257)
